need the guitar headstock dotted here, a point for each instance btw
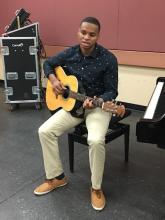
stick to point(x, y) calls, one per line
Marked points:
point(116, 109)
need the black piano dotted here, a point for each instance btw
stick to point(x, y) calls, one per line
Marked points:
point(151, 127)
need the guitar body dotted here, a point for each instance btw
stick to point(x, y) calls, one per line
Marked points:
point(67, 103)
point(71, 100)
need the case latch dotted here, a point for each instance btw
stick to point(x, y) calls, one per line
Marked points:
point(5, 50)
point(12, 75)
point(33, 50)
point(35, 90)
point(30, 75)
point(9, 91)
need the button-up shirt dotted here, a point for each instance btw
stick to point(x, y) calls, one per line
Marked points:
point(97, 72)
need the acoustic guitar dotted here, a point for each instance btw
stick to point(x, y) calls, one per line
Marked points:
point(67, 100)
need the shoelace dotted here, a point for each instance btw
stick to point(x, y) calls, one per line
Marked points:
point(97, 192)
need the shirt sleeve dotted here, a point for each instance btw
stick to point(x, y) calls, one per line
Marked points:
point(111, 80)
point(51, 63)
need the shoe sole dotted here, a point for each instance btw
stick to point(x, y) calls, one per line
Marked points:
point(98, 209)
point(43, 193)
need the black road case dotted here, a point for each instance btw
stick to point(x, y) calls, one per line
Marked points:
point(21, 69)
point(31, 30)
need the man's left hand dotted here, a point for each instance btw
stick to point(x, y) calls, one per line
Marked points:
point(88, 104)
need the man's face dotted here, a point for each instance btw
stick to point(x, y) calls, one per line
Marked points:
point(88, 35)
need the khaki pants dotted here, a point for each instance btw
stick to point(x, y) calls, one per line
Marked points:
point(97, 122)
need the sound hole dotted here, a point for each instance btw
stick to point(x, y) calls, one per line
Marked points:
point(66, 93)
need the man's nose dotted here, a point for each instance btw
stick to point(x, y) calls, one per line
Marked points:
point(86, 36)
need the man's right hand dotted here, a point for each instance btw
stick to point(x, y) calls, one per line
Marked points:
point(57, 85)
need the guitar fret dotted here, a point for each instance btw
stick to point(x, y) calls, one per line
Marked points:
point(81, 97)
point(77, 96)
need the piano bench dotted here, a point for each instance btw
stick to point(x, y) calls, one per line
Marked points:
point(116, 129)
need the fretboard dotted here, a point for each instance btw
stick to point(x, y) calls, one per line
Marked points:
point(82, 97)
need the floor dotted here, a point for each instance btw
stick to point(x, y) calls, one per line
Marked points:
point(134, 191)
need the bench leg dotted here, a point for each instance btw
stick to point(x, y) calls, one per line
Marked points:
point(71, 152)
point(126, 142)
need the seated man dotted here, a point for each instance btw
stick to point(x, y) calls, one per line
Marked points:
point(97, 70)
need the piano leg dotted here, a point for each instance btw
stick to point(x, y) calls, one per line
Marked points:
point(126, 141)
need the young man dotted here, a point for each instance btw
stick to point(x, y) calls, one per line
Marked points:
point(97, 70)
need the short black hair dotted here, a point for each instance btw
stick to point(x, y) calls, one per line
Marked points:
point(92, 20)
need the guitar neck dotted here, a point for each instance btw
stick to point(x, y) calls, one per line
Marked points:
point(81, 98)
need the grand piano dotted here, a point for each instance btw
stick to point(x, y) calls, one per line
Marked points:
point(151, 127)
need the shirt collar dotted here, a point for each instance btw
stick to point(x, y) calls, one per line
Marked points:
point(93, 54)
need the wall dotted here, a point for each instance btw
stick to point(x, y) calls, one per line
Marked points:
point(136, 84)
point(129, 26)
point(126, 25)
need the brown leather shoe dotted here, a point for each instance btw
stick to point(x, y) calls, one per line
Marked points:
point(50, 185)
point(97, 199)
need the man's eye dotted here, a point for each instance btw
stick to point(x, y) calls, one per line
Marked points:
point(83, 32)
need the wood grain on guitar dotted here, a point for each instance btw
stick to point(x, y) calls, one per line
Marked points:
point(68, 99)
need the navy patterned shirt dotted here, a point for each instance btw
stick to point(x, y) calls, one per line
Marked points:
point(97, 72)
